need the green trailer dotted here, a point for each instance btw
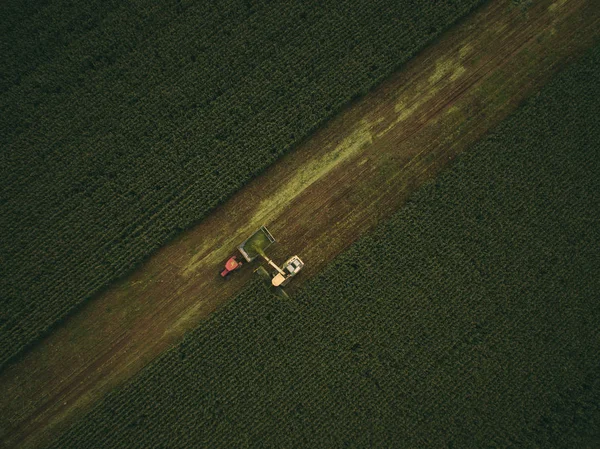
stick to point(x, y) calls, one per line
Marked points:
point(256, 244)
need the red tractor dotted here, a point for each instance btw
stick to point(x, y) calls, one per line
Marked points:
point(231, 265)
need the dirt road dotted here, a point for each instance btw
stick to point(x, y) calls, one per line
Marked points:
point(340, 183)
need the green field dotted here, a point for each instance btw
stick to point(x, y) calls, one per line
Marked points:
point(470, 319)
point(124, 123)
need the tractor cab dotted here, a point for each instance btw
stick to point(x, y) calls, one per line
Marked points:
point(293, 265)
point(232, 264)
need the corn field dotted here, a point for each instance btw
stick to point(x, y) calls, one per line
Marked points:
point(125, 123)
point(470, 319)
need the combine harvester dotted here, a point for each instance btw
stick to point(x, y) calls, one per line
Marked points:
point(255, 246)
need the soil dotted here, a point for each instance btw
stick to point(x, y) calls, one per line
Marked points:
point(340, 183)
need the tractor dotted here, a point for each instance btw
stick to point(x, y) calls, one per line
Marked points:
point(231, 265)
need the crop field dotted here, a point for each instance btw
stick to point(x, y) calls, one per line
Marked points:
point(469, 319)
point(124, 123)
point(351, 174)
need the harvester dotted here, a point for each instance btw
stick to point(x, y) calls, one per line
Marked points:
point(255, 246)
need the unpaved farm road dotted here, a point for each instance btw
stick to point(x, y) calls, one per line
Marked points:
point(316, 201)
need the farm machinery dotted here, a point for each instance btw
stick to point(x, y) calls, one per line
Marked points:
point(255, 246)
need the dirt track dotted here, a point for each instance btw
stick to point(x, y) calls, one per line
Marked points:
point(316, 201)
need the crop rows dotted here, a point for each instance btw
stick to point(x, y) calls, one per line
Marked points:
point(135, 120)
point(470, 319)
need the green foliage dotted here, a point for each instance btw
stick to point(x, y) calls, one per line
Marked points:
point(523, 4)
point(470, 319)
point(256, 244)
point(125, 122)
